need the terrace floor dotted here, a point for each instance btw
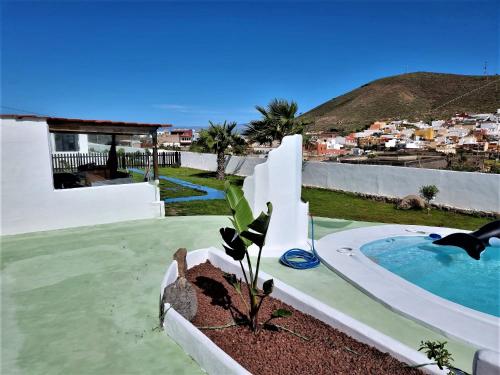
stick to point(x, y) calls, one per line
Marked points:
point(85, 300)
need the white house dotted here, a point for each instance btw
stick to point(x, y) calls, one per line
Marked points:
point(391, 143)
point(438, 124)
point(492, 128)
point(470, 140)
point(30, 201)
point(335, 143)
point(414, 145)
point(457, 132)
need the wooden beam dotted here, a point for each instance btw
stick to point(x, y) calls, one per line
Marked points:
point(155, 154)
point(101, 129)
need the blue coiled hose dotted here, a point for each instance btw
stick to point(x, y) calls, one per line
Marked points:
point(301, 259)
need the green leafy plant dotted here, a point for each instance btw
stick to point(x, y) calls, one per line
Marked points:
point(245, 232)
point(429, 192)
point(437, 352)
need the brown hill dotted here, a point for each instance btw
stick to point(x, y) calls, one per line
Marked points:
point(413, 96)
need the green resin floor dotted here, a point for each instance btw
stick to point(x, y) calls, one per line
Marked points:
point(85, 300)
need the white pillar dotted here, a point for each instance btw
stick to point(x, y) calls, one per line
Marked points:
point(279, 181)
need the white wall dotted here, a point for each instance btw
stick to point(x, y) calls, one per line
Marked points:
point(97, 147)
point(239, 165)
point(464, 190)
point(30, 203)
point(206, 162)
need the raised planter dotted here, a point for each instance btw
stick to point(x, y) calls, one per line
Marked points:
point(215, 361)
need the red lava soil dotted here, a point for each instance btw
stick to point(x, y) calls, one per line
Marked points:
point(328, 351)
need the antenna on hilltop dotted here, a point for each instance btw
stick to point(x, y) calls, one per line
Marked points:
point(485, 68)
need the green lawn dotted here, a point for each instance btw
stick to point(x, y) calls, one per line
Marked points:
point(169, 189)
point(322, 202)
point(341, 205)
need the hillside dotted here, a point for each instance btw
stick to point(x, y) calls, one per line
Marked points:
point(414, 96)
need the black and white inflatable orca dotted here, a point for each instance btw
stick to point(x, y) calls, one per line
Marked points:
point(475, 242)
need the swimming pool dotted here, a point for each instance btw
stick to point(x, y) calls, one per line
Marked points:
point(446, 271)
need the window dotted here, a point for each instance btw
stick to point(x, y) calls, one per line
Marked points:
point(66, 142)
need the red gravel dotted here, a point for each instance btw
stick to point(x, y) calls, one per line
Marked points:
point(328, 350)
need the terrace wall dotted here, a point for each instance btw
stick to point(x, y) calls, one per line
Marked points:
point(28, 198)
point(464, 190)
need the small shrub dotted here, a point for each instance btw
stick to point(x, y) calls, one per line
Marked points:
point(437, 352)
point(429, 192)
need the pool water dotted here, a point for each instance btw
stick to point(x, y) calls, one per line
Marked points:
point(446, 271)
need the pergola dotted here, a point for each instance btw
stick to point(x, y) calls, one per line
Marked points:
point(113, 128)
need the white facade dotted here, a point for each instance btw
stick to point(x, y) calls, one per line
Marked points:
point(492, 128)
point(446, 149)
point(438, 124)
point(30, 203)
point(413, 145)
point(471, 140)
point(457, 132)
point(390, 143)
point(334, 144)
point(171, 144)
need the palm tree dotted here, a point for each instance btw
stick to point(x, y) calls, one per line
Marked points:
point(218, 138)
point(278, 120)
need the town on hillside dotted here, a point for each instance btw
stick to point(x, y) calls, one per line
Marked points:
point(441, 144)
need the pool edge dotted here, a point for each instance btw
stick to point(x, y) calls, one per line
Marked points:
point(448, 318)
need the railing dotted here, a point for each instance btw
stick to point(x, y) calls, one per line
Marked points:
point(69, 162)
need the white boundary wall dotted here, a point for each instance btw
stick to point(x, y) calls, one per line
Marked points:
point(239, 165)
point(464, 190)
point(29, 202)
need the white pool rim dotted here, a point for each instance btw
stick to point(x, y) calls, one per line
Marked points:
point(446, 317)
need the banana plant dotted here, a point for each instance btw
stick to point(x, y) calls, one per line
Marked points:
point(245, 232)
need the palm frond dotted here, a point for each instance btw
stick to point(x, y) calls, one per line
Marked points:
point(278, 120)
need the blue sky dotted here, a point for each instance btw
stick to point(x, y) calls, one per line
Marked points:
point(186, 62)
